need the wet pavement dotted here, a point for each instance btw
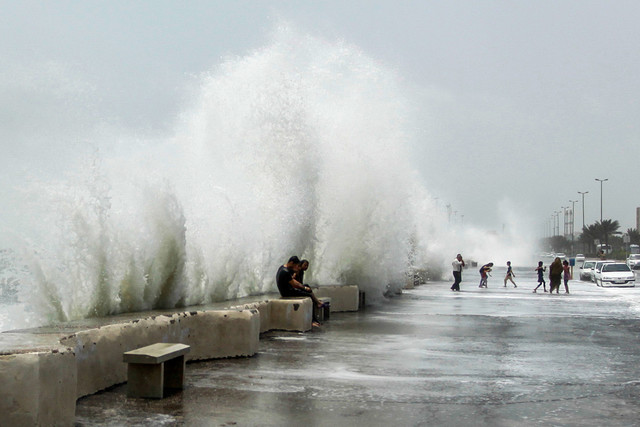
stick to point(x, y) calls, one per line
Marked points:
point(495, 357)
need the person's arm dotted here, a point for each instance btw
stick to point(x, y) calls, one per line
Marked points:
point(298, 285)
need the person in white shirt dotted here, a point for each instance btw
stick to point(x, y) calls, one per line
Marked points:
point(457, 264)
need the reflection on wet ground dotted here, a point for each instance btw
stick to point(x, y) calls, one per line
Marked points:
point(496, 356)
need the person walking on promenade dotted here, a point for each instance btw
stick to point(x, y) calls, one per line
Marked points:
point(457, 264)
point(555, 275)
point(510, 275)
point(566, 275)
point(540, 269)
point(484, 272)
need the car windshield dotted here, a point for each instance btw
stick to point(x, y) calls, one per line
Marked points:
point(615, 267)
point(588, 264)
point(634, 256)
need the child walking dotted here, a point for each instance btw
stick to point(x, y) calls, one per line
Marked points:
point(566, 275)
point(540, 269)
point(509, 275)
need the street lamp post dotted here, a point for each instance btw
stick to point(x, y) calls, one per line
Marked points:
point(601, 181)
point(582, 193)
point(564, 220)
point(572, 222)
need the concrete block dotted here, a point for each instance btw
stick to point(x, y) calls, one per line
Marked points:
point(264, 311)
point(222, 333)
point(291, 314)
point(211, 334)
point(38, 389)
point(343, 297)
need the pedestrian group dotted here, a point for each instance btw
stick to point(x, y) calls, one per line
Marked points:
point(558, 271)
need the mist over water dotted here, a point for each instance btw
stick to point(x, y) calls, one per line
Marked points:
point(302, 147)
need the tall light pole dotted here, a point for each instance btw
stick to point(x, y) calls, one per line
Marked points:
point(582, 193)
point(573, 220)
point(564, 220)
point(601, 181)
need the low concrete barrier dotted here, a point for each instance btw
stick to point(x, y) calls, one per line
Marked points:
point(38, 389)
point(264, 311)
point(343, 297)
point(211, 334)
point(291, 314)
point(41, 387)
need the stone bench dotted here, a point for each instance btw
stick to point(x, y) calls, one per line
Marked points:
point(343, 297)
point(291, 314)
point(155, 367)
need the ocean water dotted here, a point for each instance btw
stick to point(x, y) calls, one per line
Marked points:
point(300, 147)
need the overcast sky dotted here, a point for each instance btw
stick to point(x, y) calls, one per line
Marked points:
point(523, 103)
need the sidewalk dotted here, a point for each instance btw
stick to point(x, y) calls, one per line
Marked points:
point(494, 357)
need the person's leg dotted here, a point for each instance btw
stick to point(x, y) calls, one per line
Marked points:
point(456, 282)
point(566, 285)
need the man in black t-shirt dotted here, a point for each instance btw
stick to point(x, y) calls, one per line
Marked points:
point(289, 286)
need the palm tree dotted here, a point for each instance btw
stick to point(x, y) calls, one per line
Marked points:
point(589, 234)
point(634, 235)
point(608, 227)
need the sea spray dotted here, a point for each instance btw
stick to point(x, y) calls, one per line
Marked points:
point(300, 148)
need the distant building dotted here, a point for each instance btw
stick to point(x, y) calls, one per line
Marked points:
point(637, 218)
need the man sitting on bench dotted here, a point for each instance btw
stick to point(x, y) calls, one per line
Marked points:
point(290, 287)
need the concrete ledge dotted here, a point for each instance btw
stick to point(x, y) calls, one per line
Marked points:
point(39, 386)
point(291, 314)
point(38, 389)
point(264, 312)
point(343, 297)
point(211, 334)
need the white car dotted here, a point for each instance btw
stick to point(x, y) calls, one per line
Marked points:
point(586, 271)
point(616, 274)
point(597, 270)
point(579, 258)
point(633, 259)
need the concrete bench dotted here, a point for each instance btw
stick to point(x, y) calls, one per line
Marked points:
point(343, 297)
point(155, 367)
point(291, 314)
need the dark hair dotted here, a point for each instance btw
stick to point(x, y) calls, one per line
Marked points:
point(294, 259)
point(304, 260)
point(539, 262)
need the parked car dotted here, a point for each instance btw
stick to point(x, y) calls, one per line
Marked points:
point(586, 271)
point(597, 270)
point(579, 258)
point(616, 274)
point(633, 259)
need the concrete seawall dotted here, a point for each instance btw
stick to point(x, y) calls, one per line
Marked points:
point(44, 371)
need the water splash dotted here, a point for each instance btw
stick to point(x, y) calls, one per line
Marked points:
point(298, 148)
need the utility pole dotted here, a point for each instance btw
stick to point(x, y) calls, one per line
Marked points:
point(582, 193)
point(601, 181)
point(573, 217)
